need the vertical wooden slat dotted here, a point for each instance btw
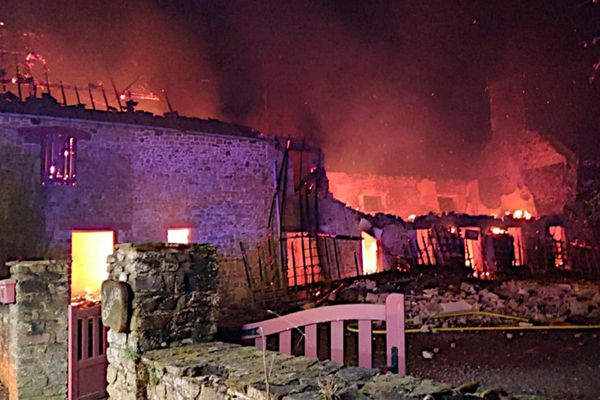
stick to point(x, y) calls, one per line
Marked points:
point(285, 342)
point(394, 317)
point(310, 341)
point(84, 338)
point(364, 344)
point(95, 336)
point(104, 340)
point(259, 342)
point(72, 372)
point(337, 341)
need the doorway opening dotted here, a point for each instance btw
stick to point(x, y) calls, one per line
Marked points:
point(89, 251)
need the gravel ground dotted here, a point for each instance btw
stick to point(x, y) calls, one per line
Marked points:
point(556, 364)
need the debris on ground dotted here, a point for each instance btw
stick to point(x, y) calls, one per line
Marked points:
point(534, 302)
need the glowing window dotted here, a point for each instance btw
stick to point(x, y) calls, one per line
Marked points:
point(446, 204)
point(58, 159)
point(89, 250)
point(372, 203)
point(179, 235)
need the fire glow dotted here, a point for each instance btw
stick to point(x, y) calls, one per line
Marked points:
point(369, 253)
point(89, 250)
point(520, 214)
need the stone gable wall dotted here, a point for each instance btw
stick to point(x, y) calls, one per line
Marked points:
point(137, 180)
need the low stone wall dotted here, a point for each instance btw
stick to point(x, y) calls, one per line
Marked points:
point(33, 331)
point(220, 371)
point(173, 301)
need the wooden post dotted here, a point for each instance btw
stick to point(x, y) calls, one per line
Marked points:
point(395, 343)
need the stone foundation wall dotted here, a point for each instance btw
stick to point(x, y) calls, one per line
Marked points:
point(33, 332)
point(173, 298)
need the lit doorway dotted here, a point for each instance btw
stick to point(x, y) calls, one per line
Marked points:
point(89, 250)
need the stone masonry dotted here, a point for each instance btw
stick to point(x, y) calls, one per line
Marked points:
point(33, 332)
point(221, 371)
point(173, 300)
point(138, 179)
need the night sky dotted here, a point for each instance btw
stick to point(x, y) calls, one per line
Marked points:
point(384, 86)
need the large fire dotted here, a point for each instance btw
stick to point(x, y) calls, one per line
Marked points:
point(89, 250)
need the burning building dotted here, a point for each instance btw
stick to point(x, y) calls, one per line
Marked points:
point(76, 181)
point(519, 169)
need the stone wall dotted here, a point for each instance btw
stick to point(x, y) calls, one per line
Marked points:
point(141, 180)
point(33, 332)
point(173, 299)
point(220, 371)
point(138, 180)
point(338, 218)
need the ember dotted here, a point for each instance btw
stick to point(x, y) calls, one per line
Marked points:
point(520, 214)
point(86, 300)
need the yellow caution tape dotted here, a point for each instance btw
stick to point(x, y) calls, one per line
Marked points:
point(354, 327)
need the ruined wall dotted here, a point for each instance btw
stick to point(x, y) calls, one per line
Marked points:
point(531, 170)
point(338, 218)
point(403, 195)
point(137, 180)
point(33, 332)
point(519, 163)
point(173, 300)
point(517, 169)
point(530, 173)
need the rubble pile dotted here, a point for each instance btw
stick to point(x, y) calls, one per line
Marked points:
point(534, 302)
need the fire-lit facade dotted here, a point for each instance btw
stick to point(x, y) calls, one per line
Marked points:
point(519, 170)
point(75, 182)
point(266, 202)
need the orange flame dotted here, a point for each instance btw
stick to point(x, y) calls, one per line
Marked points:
point(89, 250)
point(521, 214)
point(369, 253)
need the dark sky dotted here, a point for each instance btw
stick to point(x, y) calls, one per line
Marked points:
point(384, 86)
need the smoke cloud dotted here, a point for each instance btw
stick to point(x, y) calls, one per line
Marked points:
point(385, 87)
